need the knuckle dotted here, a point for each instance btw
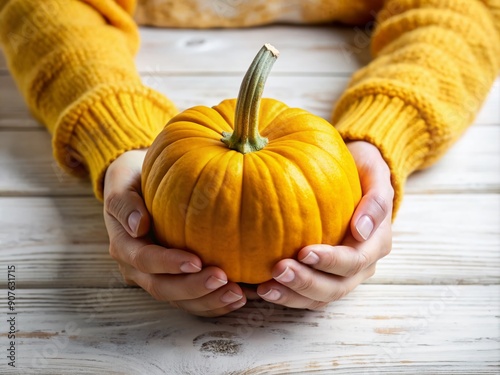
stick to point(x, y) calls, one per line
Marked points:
point(303, 284)
point(112, 203)
point(381, 205)
point(339, 293)
point(361, 264)
point(136, 259)
point(192, 293)
point(331, 260)
point(153, 288)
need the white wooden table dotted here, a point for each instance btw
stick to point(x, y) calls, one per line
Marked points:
point(433, 306)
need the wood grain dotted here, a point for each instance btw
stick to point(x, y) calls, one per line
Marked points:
point(305, 49)
point(378, 329)
point(29, 169)
point(438, 239)
point(314, 93)
point(432, 307)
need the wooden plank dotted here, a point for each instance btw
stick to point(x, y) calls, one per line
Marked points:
point(378, 329)
point(470, 166)
point(438, 239)
point(304, 49)
point(14, 112)
point(319, 49)
point(28, 167)
point(316, 94)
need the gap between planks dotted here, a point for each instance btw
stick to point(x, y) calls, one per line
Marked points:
point(470, 166)
point(424, 329)
point(437, 239)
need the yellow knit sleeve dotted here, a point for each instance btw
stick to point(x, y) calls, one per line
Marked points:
point(434, 63)
point(73, 61)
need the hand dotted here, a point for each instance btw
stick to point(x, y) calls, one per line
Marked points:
point(169, 275)
point(324, 273)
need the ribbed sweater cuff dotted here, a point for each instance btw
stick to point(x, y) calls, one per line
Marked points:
point(105, 123)
point(394, 127)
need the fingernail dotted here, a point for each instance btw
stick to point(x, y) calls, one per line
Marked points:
point(364, 226)
point(311, 258)
point(133, 221)
point(237, 305)
point(230, 297)
point(271, 295)
point(213, 283)
point(286, 276)
point(189, 267)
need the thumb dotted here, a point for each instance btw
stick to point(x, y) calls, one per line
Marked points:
point(370, 213)
point(122, 199)
point(376, 203)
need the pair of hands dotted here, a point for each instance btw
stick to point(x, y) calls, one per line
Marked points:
point(320, 274)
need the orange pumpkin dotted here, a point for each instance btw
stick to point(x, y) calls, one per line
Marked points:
point(249, 181)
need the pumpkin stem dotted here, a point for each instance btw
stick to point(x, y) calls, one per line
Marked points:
point(246, 137)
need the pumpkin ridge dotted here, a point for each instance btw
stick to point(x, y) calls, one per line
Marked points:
point(264, 167)
point(240, 219)
point(288, 116)
point(199, 116)
point(342, 167)
point(270, 108)
point(154, 183)
point(276, 165)
point(240, 175)
point(258, 171)
point(200, 174)
point(209, 141)
point(339, 165)
point(212, 166)
point(190, 127)
point(280, 138)
point(168, 175)
point(275, 154)
point(218, 108)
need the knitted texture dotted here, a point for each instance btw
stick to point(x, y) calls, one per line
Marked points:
point(434, 63)
point(73, 63)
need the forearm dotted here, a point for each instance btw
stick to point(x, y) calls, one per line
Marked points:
point(73, 63)
point(434, 64)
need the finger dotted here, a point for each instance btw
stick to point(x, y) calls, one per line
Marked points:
point(143, 255)
point(122, 198)
point(336, 260)
point(310, 291)
point(378, 193)
point(222, 301)
point(351, 257)
point(179, 287)
point(370, 213)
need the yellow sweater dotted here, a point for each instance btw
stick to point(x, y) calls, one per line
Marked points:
point(434, 63)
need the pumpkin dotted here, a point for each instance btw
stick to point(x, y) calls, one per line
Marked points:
point(250, 181)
